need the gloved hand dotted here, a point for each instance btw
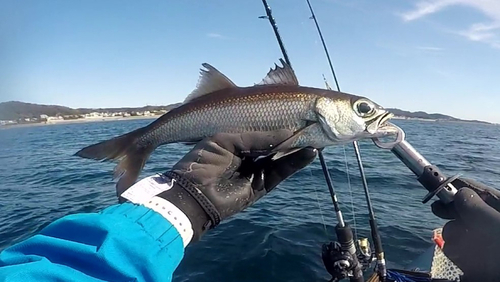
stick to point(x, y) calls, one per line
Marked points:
point(472, 238)
point(214, 180)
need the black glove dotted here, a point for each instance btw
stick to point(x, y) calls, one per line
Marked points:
point(219, 178)
point(472, 237)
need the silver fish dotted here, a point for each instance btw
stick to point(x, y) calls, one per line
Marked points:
point(318, 118)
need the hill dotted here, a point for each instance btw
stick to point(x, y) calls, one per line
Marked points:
point(424, 115)
point(15, 110)
point(420, 114)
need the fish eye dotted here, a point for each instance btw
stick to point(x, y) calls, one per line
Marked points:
point(364, 108)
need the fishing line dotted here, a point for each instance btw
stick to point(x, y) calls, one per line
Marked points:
point(269, 16)
point(351, 195)
point(319, 204)
point(345, 246)
point(381, 268)
point(353, 212)
point(322, 161)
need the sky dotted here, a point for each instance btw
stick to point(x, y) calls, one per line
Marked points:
point(439, 56)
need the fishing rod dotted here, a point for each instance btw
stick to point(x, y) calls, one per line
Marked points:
point(429, 175)
point(340, 258)
point(269, 16)
point(320, 154)
point(377, 242)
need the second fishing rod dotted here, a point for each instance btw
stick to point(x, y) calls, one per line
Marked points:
point(377, 242)
point(340, 258)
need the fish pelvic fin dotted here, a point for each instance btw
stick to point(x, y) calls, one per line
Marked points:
point(293, 144)
point(131, 155)
point(282, 154)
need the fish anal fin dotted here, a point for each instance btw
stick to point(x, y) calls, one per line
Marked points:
point(280, 75)
point(210, 81)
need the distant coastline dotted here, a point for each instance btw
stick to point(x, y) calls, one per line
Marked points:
point(419, 115)
point(72, 121)
point(409, 118)
point(15, 114)
point(128, 118)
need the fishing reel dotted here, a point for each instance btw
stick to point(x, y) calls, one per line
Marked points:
point(365, 254)
point(340, 258)
point(339, 263)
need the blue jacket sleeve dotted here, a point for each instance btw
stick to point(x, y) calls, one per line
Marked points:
point(124, 242)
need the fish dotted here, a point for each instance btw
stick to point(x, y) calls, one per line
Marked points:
point(317, 118)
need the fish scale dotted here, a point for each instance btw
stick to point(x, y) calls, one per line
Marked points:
point(265, 112)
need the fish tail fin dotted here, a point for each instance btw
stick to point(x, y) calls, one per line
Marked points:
point(131, 155)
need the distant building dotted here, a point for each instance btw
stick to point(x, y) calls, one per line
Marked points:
point(68, 117)
point(55, 118)
point(93, 115)
point(44, 117)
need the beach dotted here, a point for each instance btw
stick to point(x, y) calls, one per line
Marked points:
point(80, 120)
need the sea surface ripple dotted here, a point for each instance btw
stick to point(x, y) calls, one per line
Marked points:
point(279, 238)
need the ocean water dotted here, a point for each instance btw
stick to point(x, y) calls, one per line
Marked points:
point(280, 237)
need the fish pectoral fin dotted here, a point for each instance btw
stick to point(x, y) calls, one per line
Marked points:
point(280, 75)
point(292, 144)
point(210, 81)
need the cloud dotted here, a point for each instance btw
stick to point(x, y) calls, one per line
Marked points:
point(488, 32)
point(481, 31)
point(429, 48)
point(425, 8)
point(216, 35)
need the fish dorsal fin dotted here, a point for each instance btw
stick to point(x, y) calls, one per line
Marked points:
point(210, 80)
point(280, 75)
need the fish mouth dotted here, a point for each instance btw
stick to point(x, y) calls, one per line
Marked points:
point(384, 118)
point(381, 125)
